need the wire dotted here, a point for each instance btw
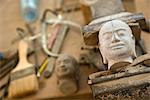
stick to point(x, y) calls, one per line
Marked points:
point(88, 2)
point(66, 22)
point(45, 13)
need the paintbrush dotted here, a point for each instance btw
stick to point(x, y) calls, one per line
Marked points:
point(23, 78)
point(10, 64)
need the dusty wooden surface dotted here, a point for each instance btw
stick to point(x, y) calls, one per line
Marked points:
point(10, 20)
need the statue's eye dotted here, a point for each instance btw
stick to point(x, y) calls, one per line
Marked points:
point(66, 61)
point(107, 36)
point(121, 33)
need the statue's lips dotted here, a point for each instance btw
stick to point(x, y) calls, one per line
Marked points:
point(117, 46)
point(62, 69)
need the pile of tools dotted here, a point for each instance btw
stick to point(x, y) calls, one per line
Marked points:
point(16, 72)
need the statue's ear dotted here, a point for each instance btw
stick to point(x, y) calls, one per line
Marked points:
point(103, 55)
point(134, 52)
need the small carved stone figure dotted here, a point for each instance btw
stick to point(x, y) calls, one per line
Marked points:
point(67, 74)
point(116, 43)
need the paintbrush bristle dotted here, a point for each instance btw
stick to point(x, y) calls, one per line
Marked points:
point(23, 86)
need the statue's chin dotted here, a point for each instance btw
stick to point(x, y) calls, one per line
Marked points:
point(119, 53)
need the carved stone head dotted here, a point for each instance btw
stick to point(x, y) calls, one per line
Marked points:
point(116, 43)
point(67, 74)
point(65, 66)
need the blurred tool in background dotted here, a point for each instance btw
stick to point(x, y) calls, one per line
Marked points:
point(1, 56)
point(23, 74)
point(29, 10)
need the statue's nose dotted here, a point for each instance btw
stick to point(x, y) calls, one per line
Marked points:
point(115, 37)
point(62, 64)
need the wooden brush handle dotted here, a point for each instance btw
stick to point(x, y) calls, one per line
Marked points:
point(22, 49)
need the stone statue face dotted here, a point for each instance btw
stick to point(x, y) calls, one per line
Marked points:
point(116, 41)
point(65, 66)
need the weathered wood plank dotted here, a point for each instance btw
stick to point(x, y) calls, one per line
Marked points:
point(120, 84)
